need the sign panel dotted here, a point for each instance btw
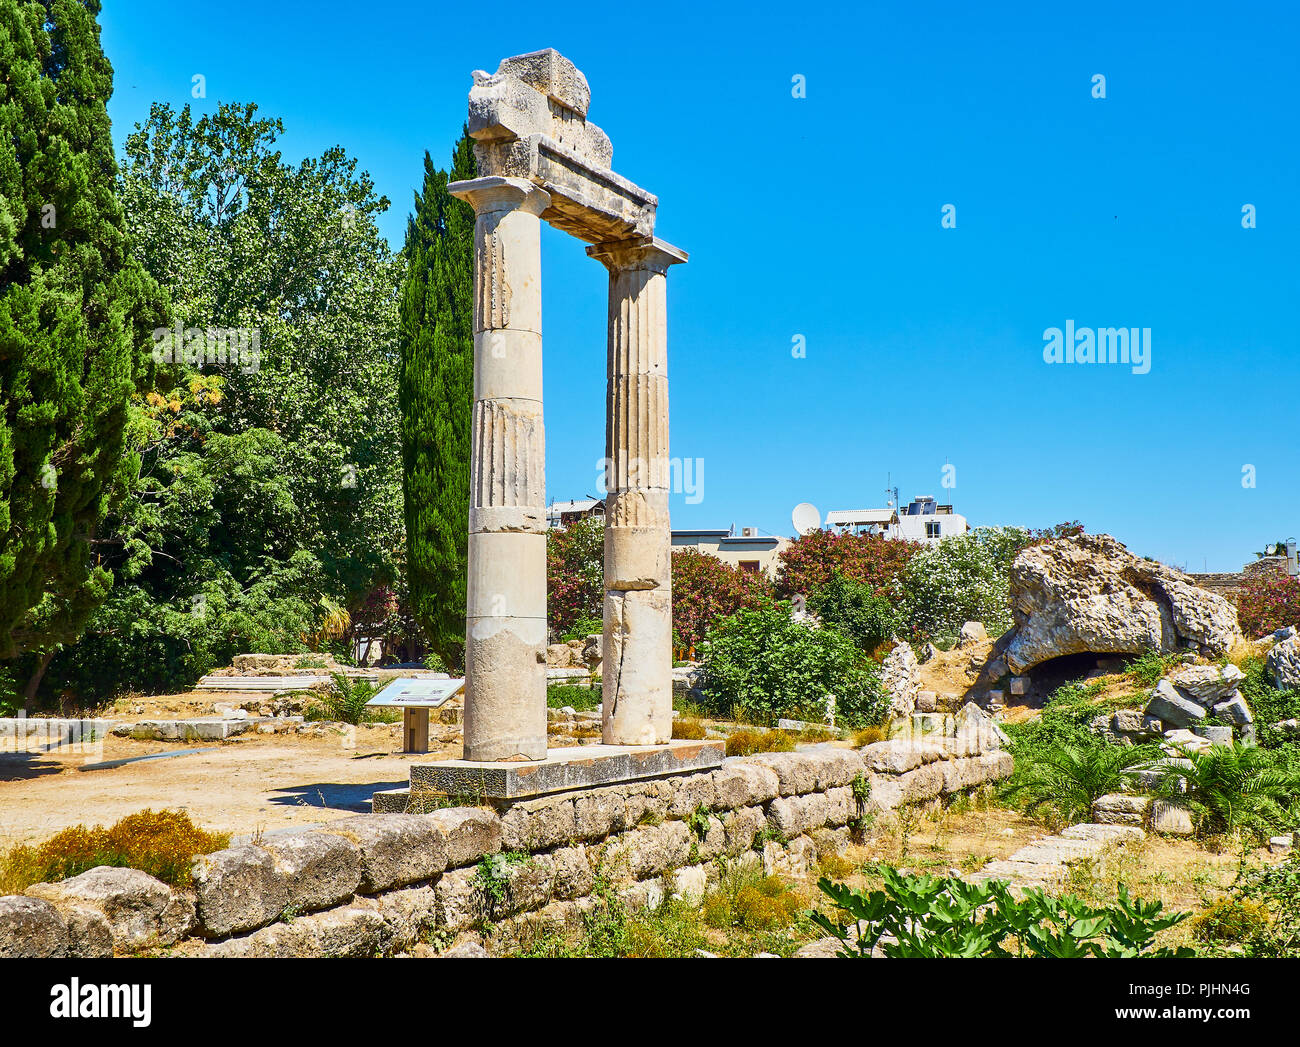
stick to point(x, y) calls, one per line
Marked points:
point(416, 693)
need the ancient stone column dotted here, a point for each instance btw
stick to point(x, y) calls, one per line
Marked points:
point(505, 627)
point(636, 659)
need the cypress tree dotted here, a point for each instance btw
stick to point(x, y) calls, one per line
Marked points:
point(436, 394)
point(76, 312)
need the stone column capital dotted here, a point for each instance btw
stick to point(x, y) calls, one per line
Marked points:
point(644, 252)
point(496, 193)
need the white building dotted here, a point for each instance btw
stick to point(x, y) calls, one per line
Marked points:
point(561, 514)
point(747, 551)
point(922, 520)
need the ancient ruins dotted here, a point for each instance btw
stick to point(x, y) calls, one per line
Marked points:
point(540, 159)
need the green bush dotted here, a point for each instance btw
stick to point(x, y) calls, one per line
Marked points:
point(854, 608)
point(1066, 779)
point(941, 917)
point(762, 664)
point(1234, 789)
point(1277, 889)
point(960, 579)
point(580, 699)
point(344, 701)
point(1268, 704)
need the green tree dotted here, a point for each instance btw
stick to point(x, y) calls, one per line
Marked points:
point(75, 309)
point(436, 396)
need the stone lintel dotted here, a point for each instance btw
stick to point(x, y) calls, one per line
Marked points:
point(592, 203)
point(647, 252)
point(564, 770)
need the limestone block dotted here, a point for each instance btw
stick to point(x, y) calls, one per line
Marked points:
point(833, 767)
point(1121, 809)
point(925, 783)
point(691, 793)
point(1283, 663)
point(1109, 834)
point(396, 849)
point(532, 825)
point(1216, 734)
point(346, 932)
point(602, 812)
point(31, 928)
point(529, 883)
point(1171, 819)
point(1019, 685)
point(740, 784)
point(647, 802)
point(652, 849)
point(795, 772)
point(459, 900)
point(841, 807)
point(714, 841)
point(896, 756)
point(742, 825)
point(408, 915)
point(573, 877)
point(469, 832)
point(1172, 708)
point(553, 75)
point(141, 911)
point(1206, 684)
point(1235, 710)
point(238, 889)
point(972, 633)
point(319, 870)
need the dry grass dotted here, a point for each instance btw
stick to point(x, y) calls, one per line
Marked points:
point(747, 741)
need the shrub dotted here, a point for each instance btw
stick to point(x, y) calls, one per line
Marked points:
point(1230, 920)
point(807, 563)
point(942, 917)
point(688, 729)
point(1067, 779)
point(746, 742)
point(160, 843)
point(853, 607)
point(344, 701)
point(762, 664)
point(580, 699)
point(1233, 789)
point(575, 574)
point(1277, 889)
point(1268, 704)
point(963, 578)
point(582, 628)
point(1268, 601)
point(705, 590)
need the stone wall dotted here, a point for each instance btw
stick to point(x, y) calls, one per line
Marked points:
point(377, 884)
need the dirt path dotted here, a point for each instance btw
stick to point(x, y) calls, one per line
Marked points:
point(245, 785)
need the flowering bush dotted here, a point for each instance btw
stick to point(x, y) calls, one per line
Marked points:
point(762, 664)
point(705, 589)
point(808, 562)
point(963, 578)
point(575, 574)
point(1268, 601)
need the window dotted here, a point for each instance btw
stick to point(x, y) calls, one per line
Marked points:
point(749, 566)
point(933, 529)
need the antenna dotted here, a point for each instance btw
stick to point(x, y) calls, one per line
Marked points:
point(806, 518)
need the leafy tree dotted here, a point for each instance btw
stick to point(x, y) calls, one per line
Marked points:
point(75, 309)
point(575, 574)
point(762, 664)
point(436, 393)
point(705, 589)
point(268, 506)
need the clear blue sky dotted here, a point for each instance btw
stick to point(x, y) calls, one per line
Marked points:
point(821, 217)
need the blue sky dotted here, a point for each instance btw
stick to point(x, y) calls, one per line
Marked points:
point(820, 217)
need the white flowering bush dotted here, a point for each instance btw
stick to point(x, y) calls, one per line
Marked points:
point(960, 579)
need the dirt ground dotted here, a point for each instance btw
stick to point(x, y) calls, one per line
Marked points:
point(245, 785)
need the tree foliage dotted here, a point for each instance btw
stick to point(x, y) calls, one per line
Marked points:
point(806, 564)
point(705, 589)
point(75, 312)
point(436, 393)
point(575, 574)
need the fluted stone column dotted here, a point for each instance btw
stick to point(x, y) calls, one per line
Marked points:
point(636, 662)
point(505, 627)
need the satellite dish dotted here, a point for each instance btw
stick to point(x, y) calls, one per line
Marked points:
point(806, 518)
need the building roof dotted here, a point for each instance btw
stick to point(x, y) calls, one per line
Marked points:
point(580, 505)
point(839, 516)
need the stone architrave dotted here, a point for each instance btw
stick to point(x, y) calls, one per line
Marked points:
point(541, 159)
point(505, 613)
point(636, 673)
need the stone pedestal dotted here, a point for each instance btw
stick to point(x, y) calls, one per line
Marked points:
point(505, 628)
point(636, 669)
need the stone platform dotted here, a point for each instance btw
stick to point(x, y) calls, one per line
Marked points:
point(563, 770)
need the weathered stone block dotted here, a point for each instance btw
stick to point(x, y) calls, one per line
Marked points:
point(31, 928)
point(469, 833)
point(319, 870)
point(1235, 710)
point(1121, 809)
point(396, 849)
point(1172, 708)
point(742, 825)
point(352, 931)
point(651, 850)
point(1171, 819)
point(537, 824)
point(601, 812)
point(141, 911)
point(691, 793)
point(459, 900)
point(795, 772)
point(741, 784)
point(408, 916)
point(238, 890)
point(833, 767)
point(573, 877)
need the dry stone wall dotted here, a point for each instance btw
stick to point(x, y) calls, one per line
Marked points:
point(377, 884)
